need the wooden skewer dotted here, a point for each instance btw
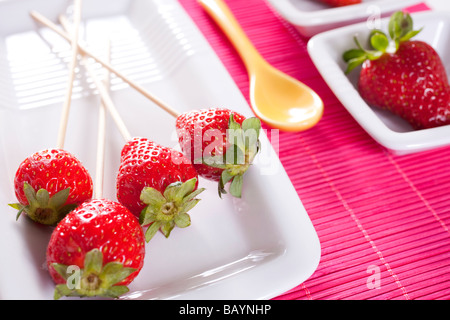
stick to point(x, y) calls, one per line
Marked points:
point(101, 131)
point(43, 20)
point(102, 89)
point(73, 64)
point(101, 138)
point(107, 101)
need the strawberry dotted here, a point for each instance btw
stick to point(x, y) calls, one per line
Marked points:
point(404, 76)
point(49, 184)
point(104, 242)
point(340, 3)
point(157, 184)
point(220, 143)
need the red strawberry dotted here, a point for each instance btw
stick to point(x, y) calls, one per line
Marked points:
point(103, 241)
point(157, 184)
point(220, 143)
point(50, 183)
point(404, 76)
point(340, 3)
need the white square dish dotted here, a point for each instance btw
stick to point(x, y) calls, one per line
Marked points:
point(256, 247)
point(311, 17)
point(389, 130)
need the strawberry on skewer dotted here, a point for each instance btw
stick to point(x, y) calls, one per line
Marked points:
point(212, 160)
point(221, 143)
point(50, 183)
point(404, 76)
point(96, 250)
point(156, 183)
point(101, 240)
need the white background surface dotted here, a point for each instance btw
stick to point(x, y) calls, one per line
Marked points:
point(438, 4)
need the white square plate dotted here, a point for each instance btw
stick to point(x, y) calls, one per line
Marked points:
point(389, 130)
point(311, 16)
point(256, 247)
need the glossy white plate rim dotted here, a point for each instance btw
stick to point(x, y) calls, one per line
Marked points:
point(256, 247)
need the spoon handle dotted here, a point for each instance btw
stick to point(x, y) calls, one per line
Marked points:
point(220, 12)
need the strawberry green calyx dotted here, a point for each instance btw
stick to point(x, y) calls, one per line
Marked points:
point(244, 146)
point(42, 208)
point(401, 27)
point(95, 279)
point(400, 30)
point(166, 210)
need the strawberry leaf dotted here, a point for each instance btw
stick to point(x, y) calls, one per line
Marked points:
point(379, 41)
point(30, 193)
point(61, 269)
point(18, 207)
point(171, 191)
point(232, 124)
point(116, 291)
point(61, 290)
point(187, 207)
point(395, 25)
point(400, 24)
point(252, 124)
point(353, 63)
point(151, 231)
point(193, 194)
point(42, 208)
point(114, 272)
point(236, 186)
point(225, 177)
point(59, 199)
point(42, 197)
point(96, 279)
point(183, 220)
point(152, 197)
point(410, 35)
point(166, 228)
point(168, 209)
point(93, 261)
point(244, 146)
point(353, 54)
point(400, 29)
point(356, 57)
point(146, 217)
point(236, 154)
point(180, 190)
point(215, 161)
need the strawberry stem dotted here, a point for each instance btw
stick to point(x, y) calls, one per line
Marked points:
point(42, 208)
point(95, 279)
point(244, 146)
point(400, 30)
point(166, 210)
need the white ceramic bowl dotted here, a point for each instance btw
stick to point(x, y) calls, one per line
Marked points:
point(311, 17)
point(389, 130)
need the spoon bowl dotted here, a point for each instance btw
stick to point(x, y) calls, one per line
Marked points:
point(283, 102)
point(277, 99)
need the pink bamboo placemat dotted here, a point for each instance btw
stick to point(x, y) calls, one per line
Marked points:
point(382, 220)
